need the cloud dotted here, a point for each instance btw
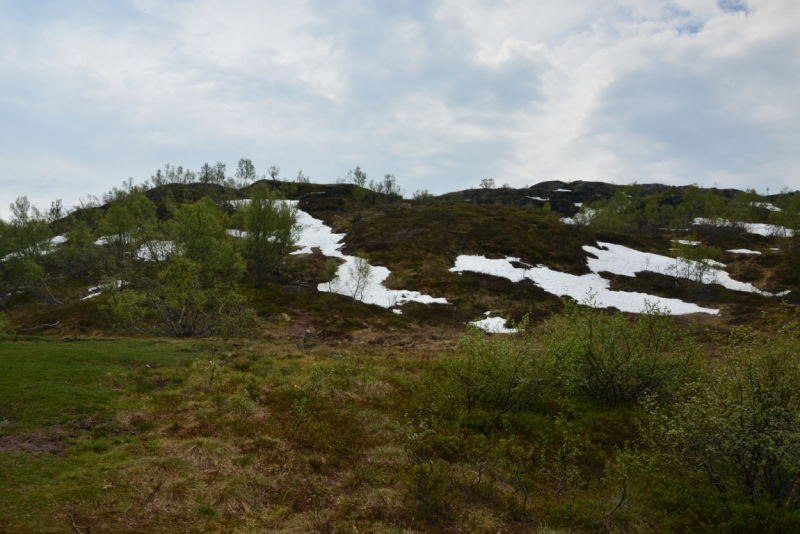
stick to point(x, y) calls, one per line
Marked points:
point(441, 94)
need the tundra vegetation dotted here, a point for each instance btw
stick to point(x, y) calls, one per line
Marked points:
point(207, 386)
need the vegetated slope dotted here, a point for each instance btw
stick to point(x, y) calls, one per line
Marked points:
point(330, 415)
point(420, 240)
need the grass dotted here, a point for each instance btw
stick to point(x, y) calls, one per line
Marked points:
point(46, 381)
point(250, 435)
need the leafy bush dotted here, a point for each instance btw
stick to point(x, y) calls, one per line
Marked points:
point(737, 428)
point(502, 373)
point(616, 360)
point(195, 294)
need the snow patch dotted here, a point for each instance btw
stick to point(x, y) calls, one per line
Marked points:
point(770, 207)
point(686, 242)
point(621, 260)
point(493, 325)
point(744, 251)
point(576, 287)
point(767, 230)
point(539, 199)
point(561, 191)
point(313, 233)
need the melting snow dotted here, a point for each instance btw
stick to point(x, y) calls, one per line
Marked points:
point(577, 287)
point(156, 251)
point(494, 325)
point(770, 207)
point(615, 259)
point(744, 251)
point(767, 230)
point(686, 242)
point(539, 199)
point(314, 233)
point(561, 191)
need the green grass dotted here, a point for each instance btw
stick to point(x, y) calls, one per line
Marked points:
point(245, 435)
point(44, 382)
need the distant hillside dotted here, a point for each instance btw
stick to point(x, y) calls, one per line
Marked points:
point(549, 230)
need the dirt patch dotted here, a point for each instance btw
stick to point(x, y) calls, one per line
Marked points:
point(31, 443)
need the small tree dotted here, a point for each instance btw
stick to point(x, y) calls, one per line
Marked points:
point(128, 223)
point(502, 373)
point(245, 173)
point(487, 183)
point(360, 272)
point(422, 196)
point(212, 174)
point(695, 262)
point(272, 232)
point(196, 294)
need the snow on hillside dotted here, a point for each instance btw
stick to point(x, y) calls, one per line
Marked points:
point(576, 287)
point(494, 325)
point(767, 230)
point(314, 233)
point(621, 260)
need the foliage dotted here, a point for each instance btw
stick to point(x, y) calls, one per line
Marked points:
point(128, 224)
point(245, 173)
point(737, 428)
point(423, 196)
point(212, 174)
point(694, 261)
point(360, 272)
point(616, 360)
point(502, 373)
point(271, 226)
point(195, 295)
point(79, 256)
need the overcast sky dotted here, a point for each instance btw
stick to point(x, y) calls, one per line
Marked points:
point(439, 93)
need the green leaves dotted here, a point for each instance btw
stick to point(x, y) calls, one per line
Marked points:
point(195, 294)
point(615, 360)
point(737, 428)
point(272, 232)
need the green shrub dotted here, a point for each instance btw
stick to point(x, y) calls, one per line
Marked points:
point(737, 428)
point(501, 373)
point(616, 360)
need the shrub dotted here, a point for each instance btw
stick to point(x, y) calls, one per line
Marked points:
point(614, 360)
point(502, 373)
point(737, 428)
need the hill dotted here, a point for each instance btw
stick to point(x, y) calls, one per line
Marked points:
point(643, 375)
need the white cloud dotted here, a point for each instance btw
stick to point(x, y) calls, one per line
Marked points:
point(442, 94)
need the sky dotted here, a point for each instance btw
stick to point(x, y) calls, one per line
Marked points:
point(441, 93)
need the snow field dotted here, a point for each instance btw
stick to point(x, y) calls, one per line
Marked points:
point(314, 233)
point(494, 325)
point(621, 260)
point(576, 287)
point(767, 230)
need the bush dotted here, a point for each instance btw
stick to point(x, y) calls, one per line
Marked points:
point(737, 428)
point(614, 360)
point(502, 373)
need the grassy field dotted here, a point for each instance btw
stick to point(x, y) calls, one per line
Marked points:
point(250, 435)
